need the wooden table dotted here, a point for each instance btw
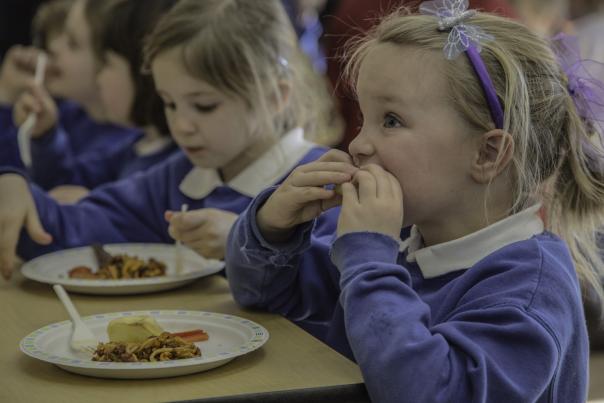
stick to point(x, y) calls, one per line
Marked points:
point(292, 365)
point(596, 375)
point(291, 361)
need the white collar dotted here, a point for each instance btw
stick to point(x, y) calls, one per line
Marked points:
point(466, 251)
point(145, 147)
point(260, 174)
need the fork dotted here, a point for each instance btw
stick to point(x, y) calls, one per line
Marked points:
point(82, 338)
point(178, 264)
point(24, 133)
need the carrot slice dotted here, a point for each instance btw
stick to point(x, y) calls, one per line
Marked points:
point(193, 335)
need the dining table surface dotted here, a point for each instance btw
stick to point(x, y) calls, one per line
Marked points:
point(292, 366)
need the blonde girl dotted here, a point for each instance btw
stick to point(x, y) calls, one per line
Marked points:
point(469, 129)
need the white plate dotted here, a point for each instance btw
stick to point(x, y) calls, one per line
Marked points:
point(53, 268)
point(229, 337)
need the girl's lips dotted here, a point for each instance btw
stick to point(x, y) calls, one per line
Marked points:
point(194, 150)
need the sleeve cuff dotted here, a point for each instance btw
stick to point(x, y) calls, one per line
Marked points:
point(278, 254)
point(13, 170)
point(357, 248)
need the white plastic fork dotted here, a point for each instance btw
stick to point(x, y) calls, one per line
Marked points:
point(178, 264)
point(82, 338)
point(24, 133)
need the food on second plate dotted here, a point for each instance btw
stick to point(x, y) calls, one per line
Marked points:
point(121, 267)
point(133, 329)
point(193, 336)
point(156, 348)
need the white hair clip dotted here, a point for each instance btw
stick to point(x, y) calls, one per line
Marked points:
point(452, 15)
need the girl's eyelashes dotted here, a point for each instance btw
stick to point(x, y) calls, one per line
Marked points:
point(206, 108)
point(391, 121)
point(169, 105)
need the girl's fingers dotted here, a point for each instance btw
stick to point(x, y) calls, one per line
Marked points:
point(329, 167)
point(34, 228)
point(367, 186)
point(349, 194)
point(331, 203)
point(9, 236)
point(336, 156)
point(319, 178)
point(311, 194)
point(395, 187)
point(381, 178)
point(193, 236)
point(185, 221)
point(29, 103)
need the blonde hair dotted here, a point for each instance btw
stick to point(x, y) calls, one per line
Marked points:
point(549, 163)
point(246, 49)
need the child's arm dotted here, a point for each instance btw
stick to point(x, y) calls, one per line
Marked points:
point(55, 163)
point(486, 346)
point(292, 278)
point(130, 210)
point(485, 351)
point(263, 260)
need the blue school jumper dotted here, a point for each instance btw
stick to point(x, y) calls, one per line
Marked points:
point(495, 316)
point(132, 210)
point(76, 136)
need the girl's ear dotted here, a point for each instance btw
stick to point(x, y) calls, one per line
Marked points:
point(280, 100)
point(494, 153)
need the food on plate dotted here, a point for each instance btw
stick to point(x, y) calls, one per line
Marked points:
point(193, 336)
point(164, 347)
point(121, 267)
point(133, 329)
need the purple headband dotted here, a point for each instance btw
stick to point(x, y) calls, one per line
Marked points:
point(463, 37)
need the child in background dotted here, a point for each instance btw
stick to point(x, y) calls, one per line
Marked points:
point(481, 302)
point(70, 77)
point(128, 98)
point(233, 83)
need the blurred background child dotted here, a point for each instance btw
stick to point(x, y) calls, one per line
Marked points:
point(238, 103)
point(127, 98)
point(62, 32)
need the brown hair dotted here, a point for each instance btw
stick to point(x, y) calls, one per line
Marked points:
point(49, 21)
point(549, 162)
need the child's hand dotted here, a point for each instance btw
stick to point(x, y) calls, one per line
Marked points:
point(377, 205)
point(303, 196)
point(17, 72)
point(17, 211)
point(39, 101)
point(205, 230)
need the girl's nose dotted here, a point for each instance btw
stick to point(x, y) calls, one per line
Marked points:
point(361, 149)
point(182, 125)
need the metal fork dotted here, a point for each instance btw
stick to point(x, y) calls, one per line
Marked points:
point(82, 338)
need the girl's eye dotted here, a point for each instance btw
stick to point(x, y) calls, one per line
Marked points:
point(205, 108)
point(391, 121)
point(169, 105)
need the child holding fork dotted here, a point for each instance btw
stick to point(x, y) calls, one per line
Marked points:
point(238, 103)
point(65, 34)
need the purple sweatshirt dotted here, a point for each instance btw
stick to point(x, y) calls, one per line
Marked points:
point(70, 153)
point(495, 316)
point(132, 209)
